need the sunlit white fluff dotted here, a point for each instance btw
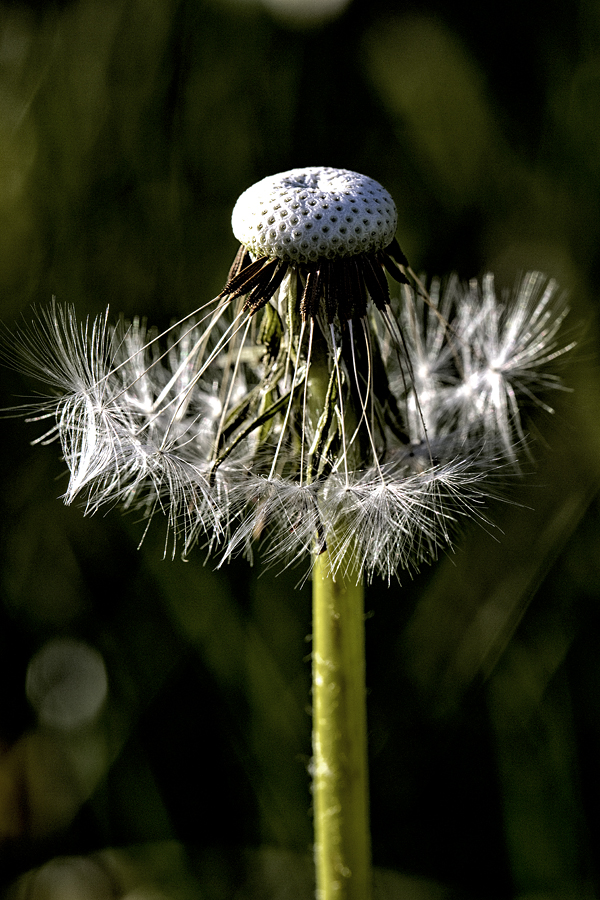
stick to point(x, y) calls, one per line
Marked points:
point(218, 423)
point(398, 519)
point(118, 448)
point(507, 351)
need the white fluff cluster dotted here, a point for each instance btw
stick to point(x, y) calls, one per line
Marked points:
point(370, 437)
point(313, 213)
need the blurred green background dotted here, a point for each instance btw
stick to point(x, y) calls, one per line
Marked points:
point(154, 715)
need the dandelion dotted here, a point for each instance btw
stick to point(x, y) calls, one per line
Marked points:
point(311, 411)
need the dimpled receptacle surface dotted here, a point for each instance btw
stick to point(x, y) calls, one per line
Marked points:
point(307, 214)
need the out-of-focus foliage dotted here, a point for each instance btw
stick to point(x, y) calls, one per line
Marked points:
point(154, 715)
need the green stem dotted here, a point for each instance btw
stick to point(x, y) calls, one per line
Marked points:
point(340, 786)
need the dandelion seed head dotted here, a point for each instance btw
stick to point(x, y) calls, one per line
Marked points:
point(305, 409)
point(320, 212)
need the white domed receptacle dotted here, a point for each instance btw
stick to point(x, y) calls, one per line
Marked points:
point(303, 215)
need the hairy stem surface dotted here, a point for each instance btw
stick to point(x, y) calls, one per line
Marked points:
point(340, 786)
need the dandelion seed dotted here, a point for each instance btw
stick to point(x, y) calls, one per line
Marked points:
point(307, 401)
point(507, 349)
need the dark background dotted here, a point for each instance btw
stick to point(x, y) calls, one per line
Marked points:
point(127, 131)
